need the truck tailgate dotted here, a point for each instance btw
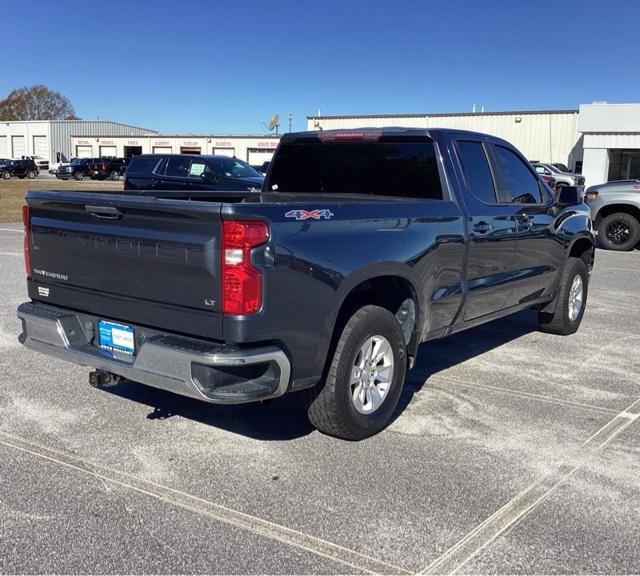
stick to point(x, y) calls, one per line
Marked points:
point(128, 257)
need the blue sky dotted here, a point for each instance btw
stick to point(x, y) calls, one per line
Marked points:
point(225, 66)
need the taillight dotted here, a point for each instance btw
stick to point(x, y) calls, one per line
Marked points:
point(241, 281)
point(104, 167)
point(26, 220)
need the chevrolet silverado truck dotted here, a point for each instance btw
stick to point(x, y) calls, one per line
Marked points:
point(361, 245)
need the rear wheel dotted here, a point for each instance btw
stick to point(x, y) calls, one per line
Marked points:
point(31, 174)
point(6, 175)
point(570, 302)
point(365, 378)
point(78, 175)
point(114, 175)
point(619, 232)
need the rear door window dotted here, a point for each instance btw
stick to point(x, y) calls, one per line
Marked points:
point(391, 166)
point(477, 171)
point(521, 184)
point(142, 165)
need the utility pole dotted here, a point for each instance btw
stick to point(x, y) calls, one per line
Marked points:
point(290, 119)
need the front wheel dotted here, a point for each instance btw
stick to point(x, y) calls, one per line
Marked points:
point(570, 302)
point(365, 378)
point(619, 232)
point(115, 175)
point(31, 174)
point(6, 175)
point(78, 175)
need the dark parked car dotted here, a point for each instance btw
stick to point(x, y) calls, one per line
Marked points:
point(111, 168)
point(19, 168)
point(362, 245)
point(189, 172)
point(77, 169)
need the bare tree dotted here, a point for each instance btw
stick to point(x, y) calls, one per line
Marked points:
point(36, 103)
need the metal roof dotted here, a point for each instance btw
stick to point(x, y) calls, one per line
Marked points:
point(444, 115)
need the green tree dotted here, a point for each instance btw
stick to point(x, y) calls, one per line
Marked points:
point(36, 103)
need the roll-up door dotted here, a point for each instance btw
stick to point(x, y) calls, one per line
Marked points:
point(84, 151)
point(162, 150)
point(17, 146)
point(108, 151)
point(231, 152)
point(256, 157)
point(4, 149)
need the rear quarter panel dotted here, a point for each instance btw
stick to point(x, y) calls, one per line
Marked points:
point(311, 266)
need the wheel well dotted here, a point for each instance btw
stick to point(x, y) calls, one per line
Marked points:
point(583, 249)
point(616, 208)
point(394, 293)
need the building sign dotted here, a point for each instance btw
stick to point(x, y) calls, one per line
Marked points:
point(83, 142)
point(190, 143)
point(223, 144)
point(106, 141)
point(266, 144)
point(132, 142)
point(162, 143)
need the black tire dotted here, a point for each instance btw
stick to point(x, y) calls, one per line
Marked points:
point(620, 231)
point(114, 175)
point(31, 174)
point(560, 320)
point(6, 175)
point(78, 175)
point(330, 406)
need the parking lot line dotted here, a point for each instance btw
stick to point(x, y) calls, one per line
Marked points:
point(521, 394)
point(528, 500)
point(10, 254)
point(358, 562)
point(14, 230)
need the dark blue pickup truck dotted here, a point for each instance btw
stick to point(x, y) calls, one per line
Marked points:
point(361, 245)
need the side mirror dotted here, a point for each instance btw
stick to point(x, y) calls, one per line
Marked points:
point(568, 195)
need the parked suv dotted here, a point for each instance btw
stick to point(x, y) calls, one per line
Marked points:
point(562, 178)
point(77, 169)
point(20, 168)
point(111, 168)
point(189, 172)
point(615, 210)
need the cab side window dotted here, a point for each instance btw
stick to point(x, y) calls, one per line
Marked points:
point(521, 184)
point(477, 171)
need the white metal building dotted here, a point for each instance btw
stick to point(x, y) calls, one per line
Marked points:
point(541, 135)
point(253, 149)
point(611, 141)
point(51, 139)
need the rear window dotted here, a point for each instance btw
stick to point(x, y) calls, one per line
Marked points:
point(142, 165)
point(386, 168)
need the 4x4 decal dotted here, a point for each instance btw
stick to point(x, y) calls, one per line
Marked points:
point(307, 214)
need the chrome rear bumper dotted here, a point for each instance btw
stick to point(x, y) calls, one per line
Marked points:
point(196, 368)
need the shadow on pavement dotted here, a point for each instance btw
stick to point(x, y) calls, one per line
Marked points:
point(285, 418)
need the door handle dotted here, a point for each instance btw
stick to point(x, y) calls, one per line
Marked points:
point(482, 227)
point(104, 212)
point(524, 221)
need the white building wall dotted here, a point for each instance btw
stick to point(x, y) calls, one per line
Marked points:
point(240, 145)
point(25, 130)
point(595, 167)
point(543, 136)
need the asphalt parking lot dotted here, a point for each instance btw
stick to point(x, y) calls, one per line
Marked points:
point(512, 452)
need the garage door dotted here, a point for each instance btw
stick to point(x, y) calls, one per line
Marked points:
point(231, 152)
point(4, 149)
point(84, 151)
point(257, 157)
point(107, 151)
point(40, 147)
point(162, 150)
point(17, 146)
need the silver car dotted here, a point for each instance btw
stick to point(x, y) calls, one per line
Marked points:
point(562, 178)
point(615, 211)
